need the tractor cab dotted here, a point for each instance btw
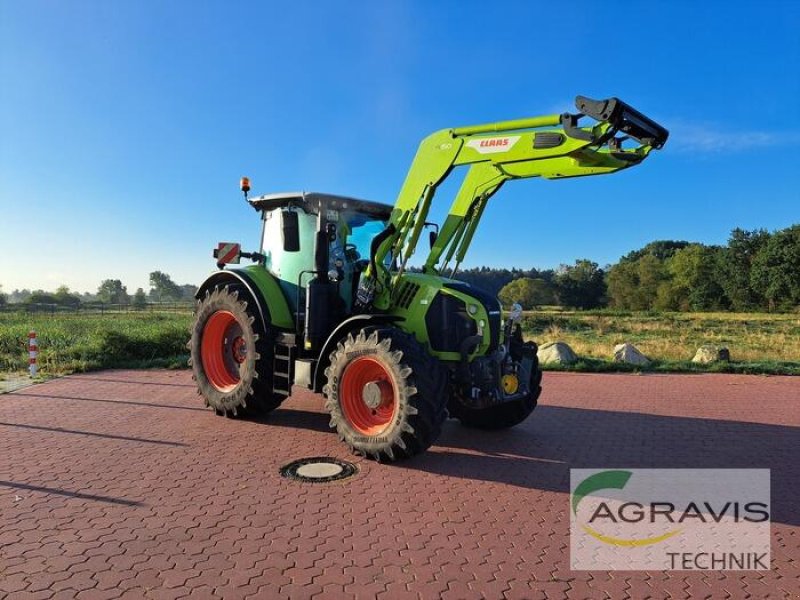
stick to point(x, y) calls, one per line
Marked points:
point(317, 246)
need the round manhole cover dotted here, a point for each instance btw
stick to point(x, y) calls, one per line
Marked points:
point(320, 469)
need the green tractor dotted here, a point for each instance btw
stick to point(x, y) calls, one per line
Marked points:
point(329, 303)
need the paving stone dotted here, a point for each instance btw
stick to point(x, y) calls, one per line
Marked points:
point(129, 488)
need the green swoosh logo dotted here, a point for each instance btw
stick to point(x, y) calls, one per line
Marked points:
point(610, 480)
point(599, 481)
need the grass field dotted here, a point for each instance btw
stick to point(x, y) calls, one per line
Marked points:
point(758, 343)
point(71, 343)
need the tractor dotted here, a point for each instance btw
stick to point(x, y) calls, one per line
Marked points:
point(330, 302)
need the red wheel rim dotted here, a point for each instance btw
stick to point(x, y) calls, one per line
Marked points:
point(368, 396)
point(222, 350)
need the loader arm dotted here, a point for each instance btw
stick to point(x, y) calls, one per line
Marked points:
point(550, 146)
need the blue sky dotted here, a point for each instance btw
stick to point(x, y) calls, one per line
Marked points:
point(125, 126)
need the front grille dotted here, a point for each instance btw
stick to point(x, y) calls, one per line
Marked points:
point(406, 292)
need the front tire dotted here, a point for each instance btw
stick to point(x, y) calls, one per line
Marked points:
point(386, 395)
point(231, 355)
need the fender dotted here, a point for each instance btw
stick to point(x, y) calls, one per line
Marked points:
point(239, 277)
point(355, 322)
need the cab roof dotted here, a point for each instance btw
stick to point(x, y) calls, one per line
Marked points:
point(311, 202)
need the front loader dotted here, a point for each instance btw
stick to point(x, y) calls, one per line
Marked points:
point(330, 305)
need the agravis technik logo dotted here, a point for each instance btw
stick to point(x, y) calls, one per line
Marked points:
point(670, 519)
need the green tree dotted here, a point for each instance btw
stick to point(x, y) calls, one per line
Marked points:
point(64, 297)
point(652, 274)
point(693, 282)
point(19, 295)
point(621, 282)
point(492, 280)
point(735, 265)
point(188, 291)
point(162, 288)
point(527, 292)
point(581, 285)
point(139, 299)
point(111, 291)
point(661, 249)
point(3, 297)
point(635, 284)
point(41, 297)
point(775, 271)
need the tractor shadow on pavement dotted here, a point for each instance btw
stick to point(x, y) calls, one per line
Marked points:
point(295, 418)
point(539, 453)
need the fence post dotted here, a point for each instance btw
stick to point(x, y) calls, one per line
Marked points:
point(33, 352)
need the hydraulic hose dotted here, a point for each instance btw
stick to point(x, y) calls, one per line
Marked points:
point(376, 243)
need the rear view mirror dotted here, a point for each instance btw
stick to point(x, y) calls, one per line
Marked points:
point(433, 235)
point(290, 230)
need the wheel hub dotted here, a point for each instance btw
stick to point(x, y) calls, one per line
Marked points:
point(372, 395)
point(368, 397)
point(239, 349)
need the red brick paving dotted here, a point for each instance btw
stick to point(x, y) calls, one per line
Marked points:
point(119, 485)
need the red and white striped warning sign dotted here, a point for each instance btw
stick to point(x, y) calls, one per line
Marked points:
point(227, 253)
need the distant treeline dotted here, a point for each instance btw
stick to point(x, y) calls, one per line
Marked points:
point(756, 270)
point(110, 291)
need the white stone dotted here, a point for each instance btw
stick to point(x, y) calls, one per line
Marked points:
point(556, 353)
point(628, 353)
point(709, 354)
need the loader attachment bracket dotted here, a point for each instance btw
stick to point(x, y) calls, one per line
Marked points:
point(623, 117)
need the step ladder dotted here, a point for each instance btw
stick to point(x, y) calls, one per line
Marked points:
point(283, 365)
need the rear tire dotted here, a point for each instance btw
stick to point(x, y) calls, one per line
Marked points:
point(501, 416)
point(231, 354)
point(386, 395)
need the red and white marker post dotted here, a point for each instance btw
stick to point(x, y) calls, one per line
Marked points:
point(33, 352)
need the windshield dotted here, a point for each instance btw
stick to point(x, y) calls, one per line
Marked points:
point(355, 232)
point(362, 234)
